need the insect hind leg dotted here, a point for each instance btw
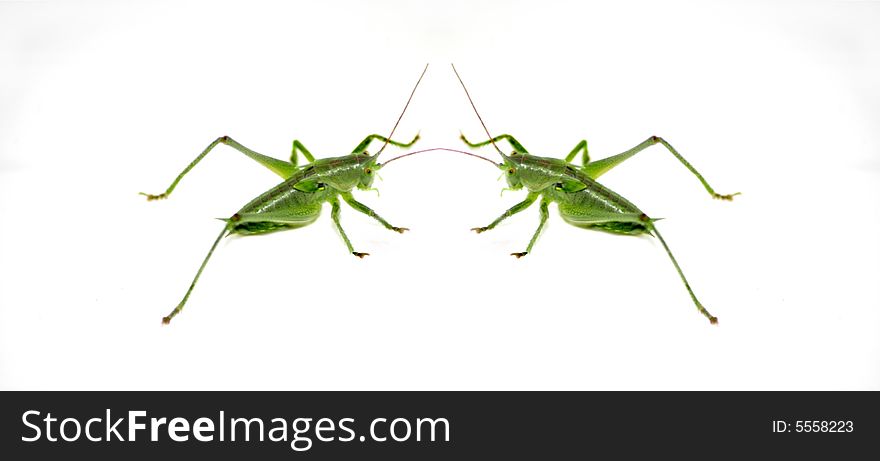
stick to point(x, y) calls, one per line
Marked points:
point(167, 319)
point(600, 167)
point(712, 319)
point(279, 167)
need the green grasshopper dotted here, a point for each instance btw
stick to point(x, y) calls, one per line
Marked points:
point(298, 200)
point(581, 200)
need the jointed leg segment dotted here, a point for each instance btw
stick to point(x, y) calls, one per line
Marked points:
point(299, 147)
point(545, 214)
point(510, 139)
point(712, 319)
point(167, 319)
point(369, 212)
point(362, 147)
point(600, 167)
point(279, 167)
point(334, 214)
point(580, 146)
point(530, 199)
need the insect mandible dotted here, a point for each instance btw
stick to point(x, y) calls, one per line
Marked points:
point(298, 200)
point(581, 200)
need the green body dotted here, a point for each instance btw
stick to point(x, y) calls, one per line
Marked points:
point(298, 200)
point(581, 200)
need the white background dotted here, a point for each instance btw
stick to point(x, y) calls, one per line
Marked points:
point(99, 101)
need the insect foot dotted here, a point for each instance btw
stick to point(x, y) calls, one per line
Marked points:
point(399, 229)
point(360, 255)
point(519, 255)
point(728, 197)
point(479, 230)
point(151, 197)
point(712, 319)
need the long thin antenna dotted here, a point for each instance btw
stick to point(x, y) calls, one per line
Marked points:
point(441, 148)
point(491, 139)
point(403, 112)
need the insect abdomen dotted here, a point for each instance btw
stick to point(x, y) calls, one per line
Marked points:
point(628, 228)
point(262, 227)
point(601, 209)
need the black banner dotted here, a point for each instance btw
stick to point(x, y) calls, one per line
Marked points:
point(404, 425)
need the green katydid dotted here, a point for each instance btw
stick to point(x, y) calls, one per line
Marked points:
point(581, 200)
point(297, 201)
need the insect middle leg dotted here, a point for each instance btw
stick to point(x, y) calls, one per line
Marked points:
point(279, 167)
point(299, 147)
point(334, 214)
point(362, 147)
point(600, 167)
point(581, 146)
point(530, 199)
point(369, 212)
point(545, 214)
point(506, 137)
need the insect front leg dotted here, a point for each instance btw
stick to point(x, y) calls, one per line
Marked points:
point(545, 214)
point(510, 139)
point(600, 167)
point(369, 212)
point(334, 214)
point(530, 199)
point(362, 147)
point(279, 167)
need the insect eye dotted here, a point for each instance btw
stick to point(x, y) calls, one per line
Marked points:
point(367, 170)
point(511, 171)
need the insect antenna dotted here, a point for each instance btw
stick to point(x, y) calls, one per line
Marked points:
point(388, 139)
point(491, 139)
point(445, 149)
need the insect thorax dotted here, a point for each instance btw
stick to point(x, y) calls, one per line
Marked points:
point(346, 172)
point(534, 173)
